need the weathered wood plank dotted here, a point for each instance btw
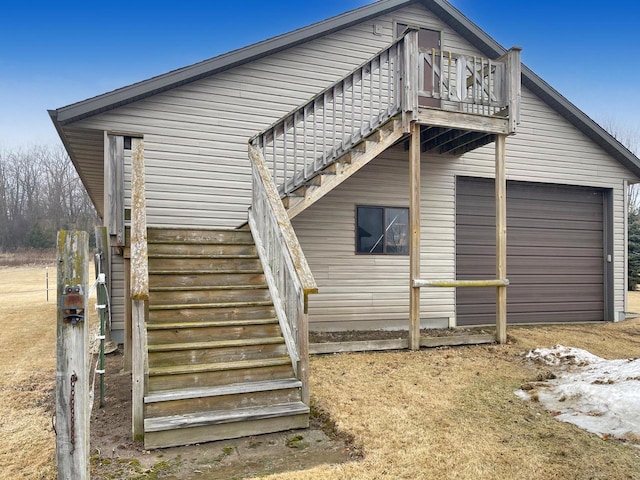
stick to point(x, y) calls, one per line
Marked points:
point(139, 252)
point(226, 402)
point(233, 389)
point(72, 359)
point(139, 288)
point(359, 346)
point(209, 433)
point(235, 343)
point(344, 170)
point(501, 238)
point(463, 121)
point(114, 186)
point(460, 283)
point(140, 367)
point(454, 339)
point(414, 236)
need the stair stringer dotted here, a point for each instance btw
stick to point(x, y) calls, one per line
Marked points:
point(382, 138)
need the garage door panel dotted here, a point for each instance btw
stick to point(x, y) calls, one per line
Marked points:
point(541, 317)
point(533, 251)
point(484, 265)
point(541, 209)
point(524, 237)
point(484, 188)
point(526, 222)
point(533, 293)
point(550, 307)
point(554, 248)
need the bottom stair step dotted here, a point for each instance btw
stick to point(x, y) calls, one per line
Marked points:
point(232, 389)
point(223, 397)
point(202, 427)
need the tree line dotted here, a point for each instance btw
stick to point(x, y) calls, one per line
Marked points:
point(40, 193)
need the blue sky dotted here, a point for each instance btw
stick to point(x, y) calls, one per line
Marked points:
point(56, 53)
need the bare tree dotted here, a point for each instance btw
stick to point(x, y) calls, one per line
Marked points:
point(40, 193)
point(630, 138)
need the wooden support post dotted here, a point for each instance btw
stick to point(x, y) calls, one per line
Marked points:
point(414, 240)
point(72, 358)
point(139, 288)
point(410, 79)
point(501, 239)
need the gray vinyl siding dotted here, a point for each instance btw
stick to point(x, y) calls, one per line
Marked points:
point(117, 297)
point(362, 292)
point(197, 169)
point(197, 172)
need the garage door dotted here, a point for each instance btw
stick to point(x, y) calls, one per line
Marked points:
point(554, 252)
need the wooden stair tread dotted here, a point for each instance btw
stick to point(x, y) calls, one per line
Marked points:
point(257, 286)
point(212, 323)
point(201, 236)
point(178, 306)
point(220, 390)
point(187, 256)
point(203, 271)
point(218, 366)
point(224, 416)
point(244, 342)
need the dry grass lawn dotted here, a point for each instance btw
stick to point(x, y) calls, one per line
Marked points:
point(27, 373)
point(438, 413)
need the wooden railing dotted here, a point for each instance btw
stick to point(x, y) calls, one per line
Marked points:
point(312, 136)
point(288, 275)
point(394, 81)
point(471, 84)
point(139, 286)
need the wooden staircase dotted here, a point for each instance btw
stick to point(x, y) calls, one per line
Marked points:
point(337, 170)
point(218, 364)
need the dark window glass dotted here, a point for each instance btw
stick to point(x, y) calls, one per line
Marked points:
point(382, 230)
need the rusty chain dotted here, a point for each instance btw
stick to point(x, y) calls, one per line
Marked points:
point(72, 408)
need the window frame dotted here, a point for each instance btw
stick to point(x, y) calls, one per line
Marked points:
point(384, 228)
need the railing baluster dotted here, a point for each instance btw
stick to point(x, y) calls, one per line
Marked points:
point(379, 88)
point(353, 106)
point(433, 72)
point(295, 150)
point(344, 95)
point(441, 69)
point(389, 99)
point(450, 85)
point(315, 135)
point(304, 140)
point(324, 129)
point(285, 159)
point(362, 102)
point(274, 153)
point(333, 120)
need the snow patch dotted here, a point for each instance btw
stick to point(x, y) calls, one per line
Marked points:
point(597, 395)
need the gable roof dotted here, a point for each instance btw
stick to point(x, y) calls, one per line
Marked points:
point(447, 12)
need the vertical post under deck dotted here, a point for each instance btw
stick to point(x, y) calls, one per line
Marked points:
point(501, 239)
point(414, 239)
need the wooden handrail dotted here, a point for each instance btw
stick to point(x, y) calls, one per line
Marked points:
point(139, 252)
point(286, 270)
point(315, 134)
point(139, 288)
point(461, 283)
point(303, 271)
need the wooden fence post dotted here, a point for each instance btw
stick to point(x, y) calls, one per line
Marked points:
point(72, 360)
